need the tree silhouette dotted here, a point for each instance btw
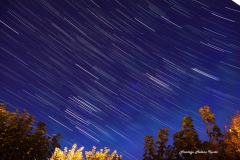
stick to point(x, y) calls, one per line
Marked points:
point(213, 131)
point(163, 151)
point(149, 148)
point(188, 146)
point(21, 140)
point(187, 139)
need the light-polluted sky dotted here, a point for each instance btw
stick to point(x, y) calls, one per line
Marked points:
point(107, 73)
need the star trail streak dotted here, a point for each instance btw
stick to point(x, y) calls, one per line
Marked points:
point(107, 73)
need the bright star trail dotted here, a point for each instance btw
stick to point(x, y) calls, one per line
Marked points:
point(107, 73)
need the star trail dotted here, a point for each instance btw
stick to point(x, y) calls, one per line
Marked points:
point(107, 73)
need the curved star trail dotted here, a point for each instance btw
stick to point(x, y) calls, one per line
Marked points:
point(107, 73)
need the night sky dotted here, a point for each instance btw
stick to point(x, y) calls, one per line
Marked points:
point(107, 73)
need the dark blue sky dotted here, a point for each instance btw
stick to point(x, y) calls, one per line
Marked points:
point(107, 73)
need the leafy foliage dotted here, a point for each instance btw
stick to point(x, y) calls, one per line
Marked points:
point(232, 140)
point(74, 154)
point(187, 139)
point(222, 146)
point(149, 148)
point(161, 142)
point(21, 140)
point(213, 131)
point(22, 137)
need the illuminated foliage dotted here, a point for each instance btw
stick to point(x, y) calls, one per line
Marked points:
point(232, 140)
point(149, 148)
point(22, 137)
point(226, 147)
point(213, 131)
point(187, 139)
point(163, 152)
point(19, 139)
point(234, 131)
point(215, 142)
point(74, 154)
